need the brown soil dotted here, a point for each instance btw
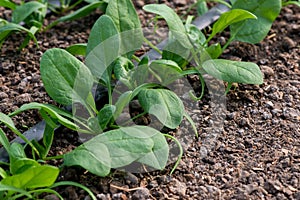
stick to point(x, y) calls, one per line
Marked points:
point(255, 156)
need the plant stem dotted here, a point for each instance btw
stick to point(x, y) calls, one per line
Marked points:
point(180, 152)
point(152, 46)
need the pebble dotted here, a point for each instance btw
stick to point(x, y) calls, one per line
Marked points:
point(141, 194)
point(267, 71)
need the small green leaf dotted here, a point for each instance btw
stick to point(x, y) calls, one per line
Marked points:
point(174, 22)
point(214, 50)
point(83, 11)
point(176, 52)
point(18, 166)
point(105, 115)
point(253, 31)
point(54, 113)
point(201, 7)
point(164, 104)
point(229, 18)
point(122, 66)
point(24, 10)
point(234, 71)
point(34, 177)
point(77, 49)
point(66, 79)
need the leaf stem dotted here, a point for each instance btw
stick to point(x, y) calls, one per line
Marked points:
point(180, 152)
point(152, 46)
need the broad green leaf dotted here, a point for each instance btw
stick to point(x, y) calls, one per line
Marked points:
point(83, 11)
point(54, 113)
point(115, 149)
point(128, 24)
point(102, 48)
point(8, 4)
point(34, 177)
point(253, 31)
point(164, 104)
point(92, 155)
point(158, 157)
point(66, 79)
point(77, 49)
point(23, 11)
point(167, 70)
point(175, 24)
point(229, 18)
point(234, 71)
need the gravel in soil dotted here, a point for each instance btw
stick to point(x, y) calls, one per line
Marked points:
point(255, 156)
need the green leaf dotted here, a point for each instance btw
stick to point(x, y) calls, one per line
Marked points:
point(66, 79)
point(122, 66)
point(158, 157)
point(77, 49)
point(163, 104)
point(14, 190)
point(8, 4)
point(8, 122)
point(175, 24)
point(105, 115)
point(214, 50)
point(34, 177)
point(234, 71)
point(54, 113)
point(117, 148)
point(229, 18)
point(167, 70)
point(201, 7)
point(24, 10)
point(3, 140)
point(9, 28)
point(83, 11)
point(122, 101)
point(176, 52)
point(253, 31)
point(102, 48)
point(128, 24)
point(20, 165)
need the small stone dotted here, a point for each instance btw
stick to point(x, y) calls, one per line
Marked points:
point(267, 71)
point(288, 43)
point(141, 194)
point(177, 187)
point(51, 197)
point(131, 178)
point(3, 95)
point(180, 2)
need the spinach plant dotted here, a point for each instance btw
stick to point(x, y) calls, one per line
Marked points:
point(29, 16)
point(109, 58)
point(24, 177)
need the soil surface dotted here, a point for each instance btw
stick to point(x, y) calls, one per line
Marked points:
point(253, 154)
